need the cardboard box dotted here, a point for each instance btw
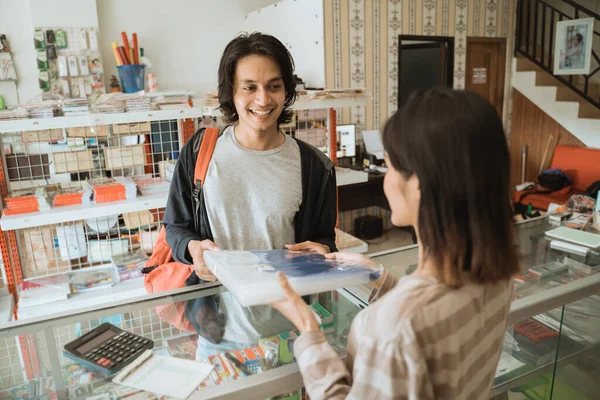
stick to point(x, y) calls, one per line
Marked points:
point(73, 161)
point(46, 135)
point(88, 131)
point(135, 128)
point(124, 156)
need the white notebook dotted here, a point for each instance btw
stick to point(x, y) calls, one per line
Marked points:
point(571, 235)
point(251, 275)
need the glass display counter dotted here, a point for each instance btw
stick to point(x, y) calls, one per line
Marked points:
point(551, 346)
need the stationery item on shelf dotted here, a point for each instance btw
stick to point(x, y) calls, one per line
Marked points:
point(42, 61)
point(101, 250)
point(279, 349)
point(45, 289)
point(83, 65)
point(13, 113)
point(578, 220)
point(138, 103)
point(570, 235)
point(106, 190)
point(136, 58)
point(63, 66)
point(547, 270)
point(569, 247)
point(171, 376)
point(324, 317)
point(51, 52)
point(118, 157)
point(38, 39)
point(582, 268)
point(39, 255)
point(182, 346)
point(43, 81)
point(4, 46)
point(251, 275)
point(92, 278)
point(71, 241)
point(559, 216)
point(76, 107)
point(72, 62)
point(7, 68)
point(148, 185)
point(129, 265)
point(126, 47)
point(27, 201)
point(61, 39)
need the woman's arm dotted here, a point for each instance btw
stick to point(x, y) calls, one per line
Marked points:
point(387, 370)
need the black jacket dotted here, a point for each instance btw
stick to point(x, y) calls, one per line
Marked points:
point(315, 220)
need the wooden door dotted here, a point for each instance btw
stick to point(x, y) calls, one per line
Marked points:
point(486, 60)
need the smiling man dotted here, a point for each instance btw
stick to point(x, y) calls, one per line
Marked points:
point(263, 190)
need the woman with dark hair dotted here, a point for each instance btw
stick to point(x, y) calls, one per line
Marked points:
point(263, 190)
point(438, 332)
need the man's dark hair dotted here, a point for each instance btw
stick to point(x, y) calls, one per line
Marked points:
point(455, 144)
point(255, 44)
point(579, 37)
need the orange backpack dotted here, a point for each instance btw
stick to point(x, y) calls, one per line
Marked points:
point(161, 272)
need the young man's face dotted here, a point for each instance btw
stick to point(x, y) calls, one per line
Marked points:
point(259, 93)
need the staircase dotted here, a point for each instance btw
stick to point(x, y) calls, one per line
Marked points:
point(561, 103)
point(571, 100)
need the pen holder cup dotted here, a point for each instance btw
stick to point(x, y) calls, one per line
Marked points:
point(132, 77)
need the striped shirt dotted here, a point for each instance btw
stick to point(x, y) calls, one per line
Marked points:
point(419, 339)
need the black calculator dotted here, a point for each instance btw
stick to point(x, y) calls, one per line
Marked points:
point(107, 348)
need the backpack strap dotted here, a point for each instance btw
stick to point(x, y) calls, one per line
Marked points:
point(207, 147)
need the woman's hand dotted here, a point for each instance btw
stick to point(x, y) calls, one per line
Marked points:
point(308, 245)
point(358, 259)
point(294, 308)
point(196, 249)
point(353, 258)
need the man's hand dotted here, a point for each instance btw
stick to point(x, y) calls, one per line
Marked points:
point(196, 249)
point(308, 245)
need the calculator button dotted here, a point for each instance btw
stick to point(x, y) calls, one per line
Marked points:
point(103, 346)
point(119, 359)
point(101, 361)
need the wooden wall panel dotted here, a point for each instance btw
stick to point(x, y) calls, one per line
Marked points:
point(531, 126)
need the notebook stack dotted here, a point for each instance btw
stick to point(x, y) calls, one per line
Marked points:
point(69, 196)
point(106, 190)
point(138, 103)
point(15, 113)
point(76, 107)
point(42, 110)
point(116, 107)
point(27, 201)
point(148, 185)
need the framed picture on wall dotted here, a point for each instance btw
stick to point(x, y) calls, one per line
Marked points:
point(573, 46)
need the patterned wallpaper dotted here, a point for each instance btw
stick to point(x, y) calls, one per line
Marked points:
point(361, 43)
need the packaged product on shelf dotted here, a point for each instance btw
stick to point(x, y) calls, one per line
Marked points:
point(182, 346)
point(27, 201)
point(279, 349)
point(547, 270)
point(129, 265)
point(45, 289)
point(92, 278)
point(71, 241)
point(324, 317)
point(148, 185)
point(106, 190)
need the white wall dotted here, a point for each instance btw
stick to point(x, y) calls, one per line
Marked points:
point(15, 23)
point(18, 19)
point(184, 39)
point(299, 25)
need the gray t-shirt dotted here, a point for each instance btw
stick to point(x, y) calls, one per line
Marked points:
point(252, 198)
